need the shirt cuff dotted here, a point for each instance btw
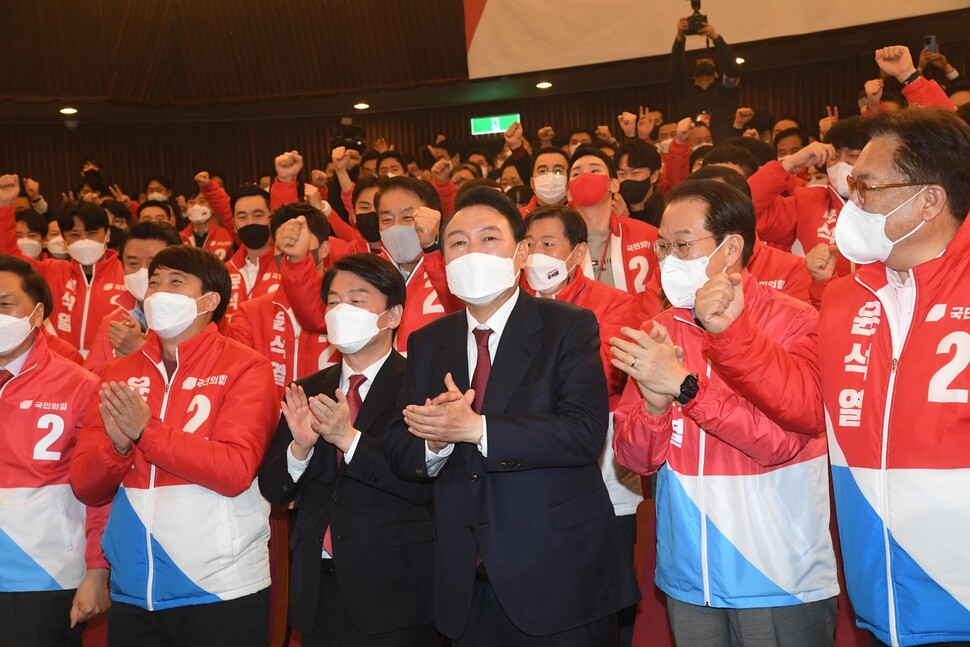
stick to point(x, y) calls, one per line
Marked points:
point(294, 466)
point(436, 462)
point(349, 454)
point(483, 443)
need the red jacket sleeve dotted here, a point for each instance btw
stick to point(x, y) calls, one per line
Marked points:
point(719, 411)
point(344, 230)
point(446, 193)
point(227, 461)
point(282, 194)
point(8, 232)
point(96, 517)
point(219, 201)
point(347, 197)
point(923, 92)
point(303, 283)
point(640, 441)
point(777, 216)
point(676, 166)
point(621, 312)
point(783, 384)
point(97, 468)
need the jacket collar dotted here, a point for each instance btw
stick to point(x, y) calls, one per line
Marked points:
point(187, 351)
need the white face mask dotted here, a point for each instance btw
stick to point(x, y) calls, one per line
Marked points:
point(484, 170)
point(402, 243)
point(550, 188)
point(350, 328)
point(169, 314)
point(664, 146)
point(545, 273)
point(158, 196)
point(837, 178)
point(573, 147)
point(137, 283)
point(198, 214)
point(681, 279)
point(478, 278)
point(56, 247)
point(30, 247)
point(86, 251)
point(14, 330)
point(861, 236)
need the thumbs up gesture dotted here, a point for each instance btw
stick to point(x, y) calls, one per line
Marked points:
point(719, 302)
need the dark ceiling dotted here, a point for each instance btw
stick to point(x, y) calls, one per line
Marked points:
point(213, 60)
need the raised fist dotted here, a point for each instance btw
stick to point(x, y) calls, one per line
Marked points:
point(513, 137)
point(821, 261)
point(288, 166)
point(441, 171)
point(9, 189)
point(895, 61)
point(340, 158)
point(202, 179)
point(719, 302)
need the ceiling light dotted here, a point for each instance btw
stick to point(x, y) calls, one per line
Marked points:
point(739, 61)
point(68, 110)
point(362, 105)
point(543, 85)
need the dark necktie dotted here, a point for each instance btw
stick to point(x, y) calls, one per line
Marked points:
point(482, 368)
point(353, 403)
point(5, 376)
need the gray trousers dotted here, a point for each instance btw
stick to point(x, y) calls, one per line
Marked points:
point(801, 625)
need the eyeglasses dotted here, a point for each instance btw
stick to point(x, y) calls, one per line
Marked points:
point(681, 250)
point(861, 188)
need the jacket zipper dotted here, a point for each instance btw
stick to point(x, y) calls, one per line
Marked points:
point(149, 513)
point(702, 502)
point(87, 302)
point(897, 348)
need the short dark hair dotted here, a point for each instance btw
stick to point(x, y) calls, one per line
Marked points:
point(698, 153)
point(315, 221)
point(474, 169)
point(477, 182)
point(93, 161)
point(446, 146)
point(933, 148)
point(722, 173)
point(761, 151)
point(375, 270)
point(148, 230)
point(484, 196)
point(731, 154)
point(117, 209)
point(202, 264)
point(246, 191)
point(850, 133)
point(584, 131)
point(91, 215)
point(366, 182)
point(551, 150)
point(789, 132)
point(394, 155)
point(425, 192)
point(584, 151)
point(573, 224)
point(639, 154)
point(34, 221)
point(728, 211)
point(31, 282)
point(478, 151)
point(167, 206)
point(161, 179)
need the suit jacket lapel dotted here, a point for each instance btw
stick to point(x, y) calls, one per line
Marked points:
point(521, 341)
point(384, 390)
point(452, 355)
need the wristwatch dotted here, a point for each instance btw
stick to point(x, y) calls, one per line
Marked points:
point(912, 77)
point(688, 389)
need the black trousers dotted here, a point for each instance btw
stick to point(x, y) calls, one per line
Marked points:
point(489, 626)
point(625, 618)
point(38, 619)
point(333, 628)
point(243, 622)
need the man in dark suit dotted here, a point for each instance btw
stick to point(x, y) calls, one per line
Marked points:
point(506, 410)
point(361, 545)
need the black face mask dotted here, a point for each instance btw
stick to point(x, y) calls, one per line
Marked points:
point(254, 236)
point(634, 191)
point(367, 226)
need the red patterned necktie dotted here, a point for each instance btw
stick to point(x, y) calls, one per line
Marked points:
point(353, 403)
point(482, 368)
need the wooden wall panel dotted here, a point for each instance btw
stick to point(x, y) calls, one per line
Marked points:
point(239, 149)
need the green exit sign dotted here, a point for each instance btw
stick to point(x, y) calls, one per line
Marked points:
point(496, 124)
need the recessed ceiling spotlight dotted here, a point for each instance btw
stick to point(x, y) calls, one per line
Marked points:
point(739, 61)
point(362, 105)
point(68, 110)
point(543, 85)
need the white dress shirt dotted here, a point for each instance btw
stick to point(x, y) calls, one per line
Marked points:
point(296, 467)
point(16, 365)
point(497, 322)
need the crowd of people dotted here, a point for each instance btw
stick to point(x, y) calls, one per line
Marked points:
point(464, 376)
